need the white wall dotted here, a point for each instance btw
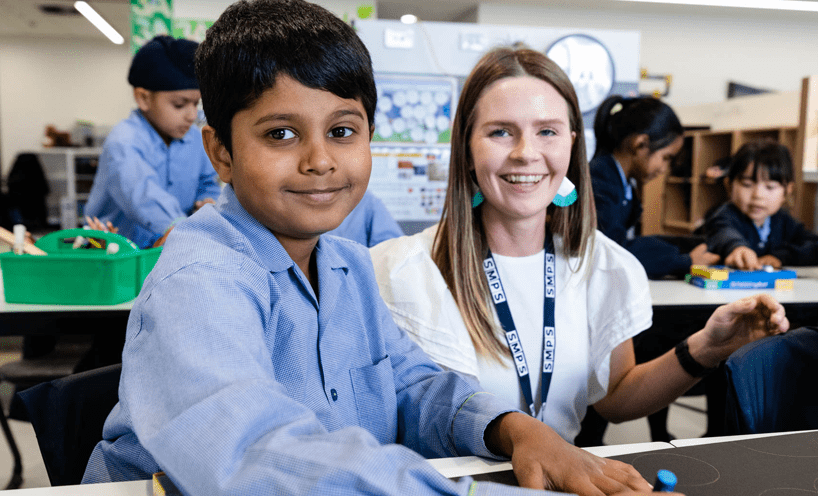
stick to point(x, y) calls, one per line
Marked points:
point(702, 51)
point(55, 81)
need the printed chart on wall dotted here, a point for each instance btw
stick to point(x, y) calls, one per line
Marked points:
point(410, 147)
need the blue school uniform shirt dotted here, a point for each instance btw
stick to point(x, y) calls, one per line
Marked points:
point(369, 223)
point(618, 214)
point(788, 240)
point(237, 379)
point(143, 185)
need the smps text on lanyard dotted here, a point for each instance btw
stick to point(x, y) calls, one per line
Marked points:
point(549, 342)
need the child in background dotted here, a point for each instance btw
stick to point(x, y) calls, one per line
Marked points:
point(153, 170)
point(752, 230)
point(369, 223)
point(260, 358)
point(636, 141)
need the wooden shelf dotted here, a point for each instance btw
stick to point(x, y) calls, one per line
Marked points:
point(686, 196)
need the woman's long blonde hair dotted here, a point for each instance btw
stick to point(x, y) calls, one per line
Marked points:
point(460, 243)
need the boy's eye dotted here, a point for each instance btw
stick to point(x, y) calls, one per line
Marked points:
point(340, 132)
point(281, 134)
point(747, 183)
point(499, 133)
point(548, 132)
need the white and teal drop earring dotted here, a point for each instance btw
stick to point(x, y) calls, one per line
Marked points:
point(477, 199)
point(566, 195)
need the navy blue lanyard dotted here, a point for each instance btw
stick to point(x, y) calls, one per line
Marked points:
point(498, 297)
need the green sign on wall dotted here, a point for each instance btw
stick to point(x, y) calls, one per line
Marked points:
point(149, 18)
point(191, 29)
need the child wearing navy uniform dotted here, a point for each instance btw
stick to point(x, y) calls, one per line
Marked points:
point(260, 358)
point(636, 140)
point(153, 170)
point(752, 229)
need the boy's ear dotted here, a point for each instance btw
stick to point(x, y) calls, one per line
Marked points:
point(219, 156)
point(143, 98)
point(790, 188)
point(371, 131)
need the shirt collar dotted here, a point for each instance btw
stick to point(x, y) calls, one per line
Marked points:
point(264, 243)
point(764, 230)
point(625, 183)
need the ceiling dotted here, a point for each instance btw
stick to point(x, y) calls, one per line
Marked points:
point(26, 17)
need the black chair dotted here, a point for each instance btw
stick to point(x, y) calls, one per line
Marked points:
point(771, 384)
point(64, 357)
point(67, 415)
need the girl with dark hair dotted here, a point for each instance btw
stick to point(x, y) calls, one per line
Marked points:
point(753, 229)
point(636, 141)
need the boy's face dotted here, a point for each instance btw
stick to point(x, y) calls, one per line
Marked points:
point(171, 113)
point(758, 197)
point(301, 158)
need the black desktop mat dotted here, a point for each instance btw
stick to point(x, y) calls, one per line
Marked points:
point(785, 465)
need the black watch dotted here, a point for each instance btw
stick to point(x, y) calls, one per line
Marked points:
point(689, 363)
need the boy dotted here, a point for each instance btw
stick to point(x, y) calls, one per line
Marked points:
point(260, 358)
point(153, 170)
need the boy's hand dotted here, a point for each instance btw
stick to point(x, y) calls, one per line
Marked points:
point(541, 459)
point(738, 323)
point(700, 256)
point(161, 241)
point(743, 258)
point(770, 260)
point(97, 225)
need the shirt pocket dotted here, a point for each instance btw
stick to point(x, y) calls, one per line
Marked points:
point(375, 399)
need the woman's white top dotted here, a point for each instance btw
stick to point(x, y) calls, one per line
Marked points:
point(598, 307)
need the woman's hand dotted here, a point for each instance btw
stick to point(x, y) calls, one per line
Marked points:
point(541, 459)
point(738, 323)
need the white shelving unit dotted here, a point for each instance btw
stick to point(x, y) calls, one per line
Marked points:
point(69, 187)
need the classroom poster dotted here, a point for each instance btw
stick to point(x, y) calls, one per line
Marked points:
point(191, 29)
point(149, 18)
point(410, 180)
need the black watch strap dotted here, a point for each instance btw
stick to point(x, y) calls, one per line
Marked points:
point(689, 363)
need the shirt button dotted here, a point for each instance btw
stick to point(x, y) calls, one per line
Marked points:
point(334, 394)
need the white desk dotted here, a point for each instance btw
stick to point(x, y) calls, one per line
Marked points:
point(450, 467)
point(20, 319)
point(680, 293)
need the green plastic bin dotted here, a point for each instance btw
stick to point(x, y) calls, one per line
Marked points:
point(68, 276)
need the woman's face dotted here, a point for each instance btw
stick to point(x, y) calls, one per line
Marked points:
point(520, 147)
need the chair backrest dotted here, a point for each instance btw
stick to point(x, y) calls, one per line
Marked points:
point(67, 415)
point(771, 384)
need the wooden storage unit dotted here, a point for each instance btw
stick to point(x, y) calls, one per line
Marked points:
point(688, 195)
point(685, 195)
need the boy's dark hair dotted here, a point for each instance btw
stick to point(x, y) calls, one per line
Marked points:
point(255, 41)
point(618, 117)
point(771, 158)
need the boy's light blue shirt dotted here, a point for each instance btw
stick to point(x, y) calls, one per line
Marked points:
point(237, 380)
point(143, 185)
